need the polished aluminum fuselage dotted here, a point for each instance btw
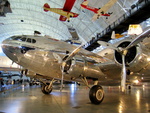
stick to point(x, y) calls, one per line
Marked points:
point(45, 58)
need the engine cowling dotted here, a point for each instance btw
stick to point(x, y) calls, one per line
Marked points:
point(78, 66)
point(135, 59)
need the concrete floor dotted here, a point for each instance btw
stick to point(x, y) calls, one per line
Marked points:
point(74, 99)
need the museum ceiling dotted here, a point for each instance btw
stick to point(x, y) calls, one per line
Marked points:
point(28, 16)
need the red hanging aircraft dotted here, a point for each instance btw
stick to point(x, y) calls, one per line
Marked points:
point(98, 11)
point(65, 12)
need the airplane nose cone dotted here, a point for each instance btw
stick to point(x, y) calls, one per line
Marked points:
point(4, 45)
point(9, 50)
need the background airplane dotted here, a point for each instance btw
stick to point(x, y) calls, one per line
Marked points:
point(52, 59)
point(84, 5)
point(64, 13)
point(99, 12)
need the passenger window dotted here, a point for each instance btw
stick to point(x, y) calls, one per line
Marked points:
point(23, 39)
point(29, 40)
point(33, 41)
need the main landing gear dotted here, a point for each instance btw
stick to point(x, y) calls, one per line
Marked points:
point(96, 93)
point(47, 87)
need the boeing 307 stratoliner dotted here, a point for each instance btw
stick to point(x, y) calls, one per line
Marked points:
point(51, 59)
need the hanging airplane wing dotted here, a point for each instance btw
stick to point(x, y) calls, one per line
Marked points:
point(104, 9)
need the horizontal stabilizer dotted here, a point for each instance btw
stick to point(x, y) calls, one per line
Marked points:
point(113, 35)
point(108, 45)
point(84, 3)
point(46, 6)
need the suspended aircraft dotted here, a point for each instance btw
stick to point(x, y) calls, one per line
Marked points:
point(48, 58)
point(64, 12)
point(101, 11)
point(84, 5)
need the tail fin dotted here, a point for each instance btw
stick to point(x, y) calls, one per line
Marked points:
point(46, 6)
point(113, 35)
point(84, 3)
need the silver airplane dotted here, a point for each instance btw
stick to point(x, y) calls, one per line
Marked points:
point(49, 58)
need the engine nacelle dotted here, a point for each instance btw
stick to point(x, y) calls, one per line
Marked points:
point(135, 58)
point(78, 67)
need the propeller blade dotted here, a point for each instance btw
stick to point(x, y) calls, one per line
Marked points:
point(108, 45)
point(74, 52)
point(62, 78)
point(139, 38)
point(64, 62)
point(123, 74)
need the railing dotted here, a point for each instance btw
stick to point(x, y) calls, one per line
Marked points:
point(134, 8)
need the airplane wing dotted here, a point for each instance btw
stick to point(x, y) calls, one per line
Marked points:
point(67, 7)
point(104, 9)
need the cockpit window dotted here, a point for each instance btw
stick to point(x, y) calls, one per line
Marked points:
point(33, 41)
point(12, 38)
point(17, 38)
point(29, 40)
point(23, 39)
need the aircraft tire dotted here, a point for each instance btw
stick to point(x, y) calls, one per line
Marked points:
point(45, 89)
point(23, 51)
point(96, 94)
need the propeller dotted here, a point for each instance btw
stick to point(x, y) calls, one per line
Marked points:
point(64, 62)
point(124, 51)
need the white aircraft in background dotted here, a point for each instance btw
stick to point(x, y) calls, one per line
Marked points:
point(99, 12)
point(53, 59)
